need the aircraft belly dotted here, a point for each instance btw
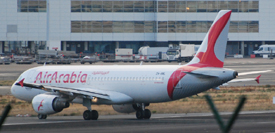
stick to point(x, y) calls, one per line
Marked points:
point(145, 91)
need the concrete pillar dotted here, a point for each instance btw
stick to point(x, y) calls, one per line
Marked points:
point(32, 47)
point(85, 45)
point(6, 43)
point(64, 46)
point(242, 48)
point(117, 44)
point(1, 46)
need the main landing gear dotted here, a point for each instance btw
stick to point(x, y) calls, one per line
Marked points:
point(89, 114)
point(40, 116)
point(142, 113)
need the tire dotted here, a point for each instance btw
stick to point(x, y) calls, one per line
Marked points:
point(139, 114)
point(87, 115)
point(147, 114)
point(94, 115)
point(41, 116)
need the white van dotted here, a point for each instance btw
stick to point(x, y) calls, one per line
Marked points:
point(265, 50)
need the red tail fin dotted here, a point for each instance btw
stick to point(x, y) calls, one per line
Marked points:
point(212, 50)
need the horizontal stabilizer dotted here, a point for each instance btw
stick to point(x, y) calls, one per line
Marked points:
point(253, 72)
point(205, 74)
point(257, 79)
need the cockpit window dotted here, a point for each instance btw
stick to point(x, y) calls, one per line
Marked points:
point(260, 49)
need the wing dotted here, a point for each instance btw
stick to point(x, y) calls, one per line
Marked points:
point(111, 96)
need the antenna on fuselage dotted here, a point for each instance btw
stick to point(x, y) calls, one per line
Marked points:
point(141, 63)
point(44, 64)
point(179, 64)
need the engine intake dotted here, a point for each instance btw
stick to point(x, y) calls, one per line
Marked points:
point(49, 104)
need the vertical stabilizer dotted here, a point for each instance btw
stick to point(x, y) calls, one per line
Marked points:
point(212, 50)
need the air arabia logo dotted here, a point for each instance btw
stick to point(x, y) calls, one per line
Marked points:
point(40, 105)
point(61, 78)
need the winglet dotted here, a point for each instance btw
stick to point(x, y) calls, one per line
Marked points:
point(258, 79)
point(21, 82)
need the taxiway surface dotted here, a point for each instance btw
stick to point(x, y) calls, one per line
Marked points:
point(249, 122)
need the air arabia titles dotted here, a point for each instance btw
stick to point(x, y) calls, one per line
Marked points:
point(74, 77)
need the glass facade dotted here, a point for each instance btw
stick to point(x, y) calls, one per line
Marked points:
point(23, 47)
point(31, 5)
point(112, 6)
point(164, 6)
point(112, 26)
point(163, 26)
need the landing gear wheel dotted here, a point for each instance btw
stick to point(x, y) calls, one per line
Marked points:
point(139, 114)
point(147, 114)
point(94, 115)
point(40, 116)
point(90, 115)
point(87, 115)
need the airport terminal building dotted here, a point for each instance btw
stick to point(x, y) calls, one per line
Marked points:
point(103, 25)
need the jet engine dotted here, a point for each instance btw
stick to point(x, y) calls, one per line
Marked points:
point(124, 108)
point(49, 104)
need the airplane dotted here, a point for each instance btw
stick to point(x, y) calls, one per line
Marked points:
point(128, 88)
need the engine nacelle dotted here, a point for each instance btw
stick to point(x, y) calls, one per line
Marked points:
point(49, 104)
point(124, 108)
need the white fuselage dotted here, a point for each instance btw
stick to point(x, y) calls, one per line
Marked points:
point(143, 83)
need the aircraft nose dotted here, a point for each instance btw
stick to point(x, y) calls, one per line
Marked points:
point(15, 90)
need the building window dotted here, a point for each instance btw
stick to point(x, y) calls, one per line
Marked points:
point(163, 26)
point(163, 6)
point(112, 6)
point(31, 6)
point(112, 26)
point(203, 26)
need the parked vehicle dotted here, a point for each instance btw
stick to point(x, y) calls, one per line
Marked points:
point(88, 59)
point(147, 53)
point(185, 52)
point(264, 50)
point(124, 54)
point(5, 60)
point(24, 60)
